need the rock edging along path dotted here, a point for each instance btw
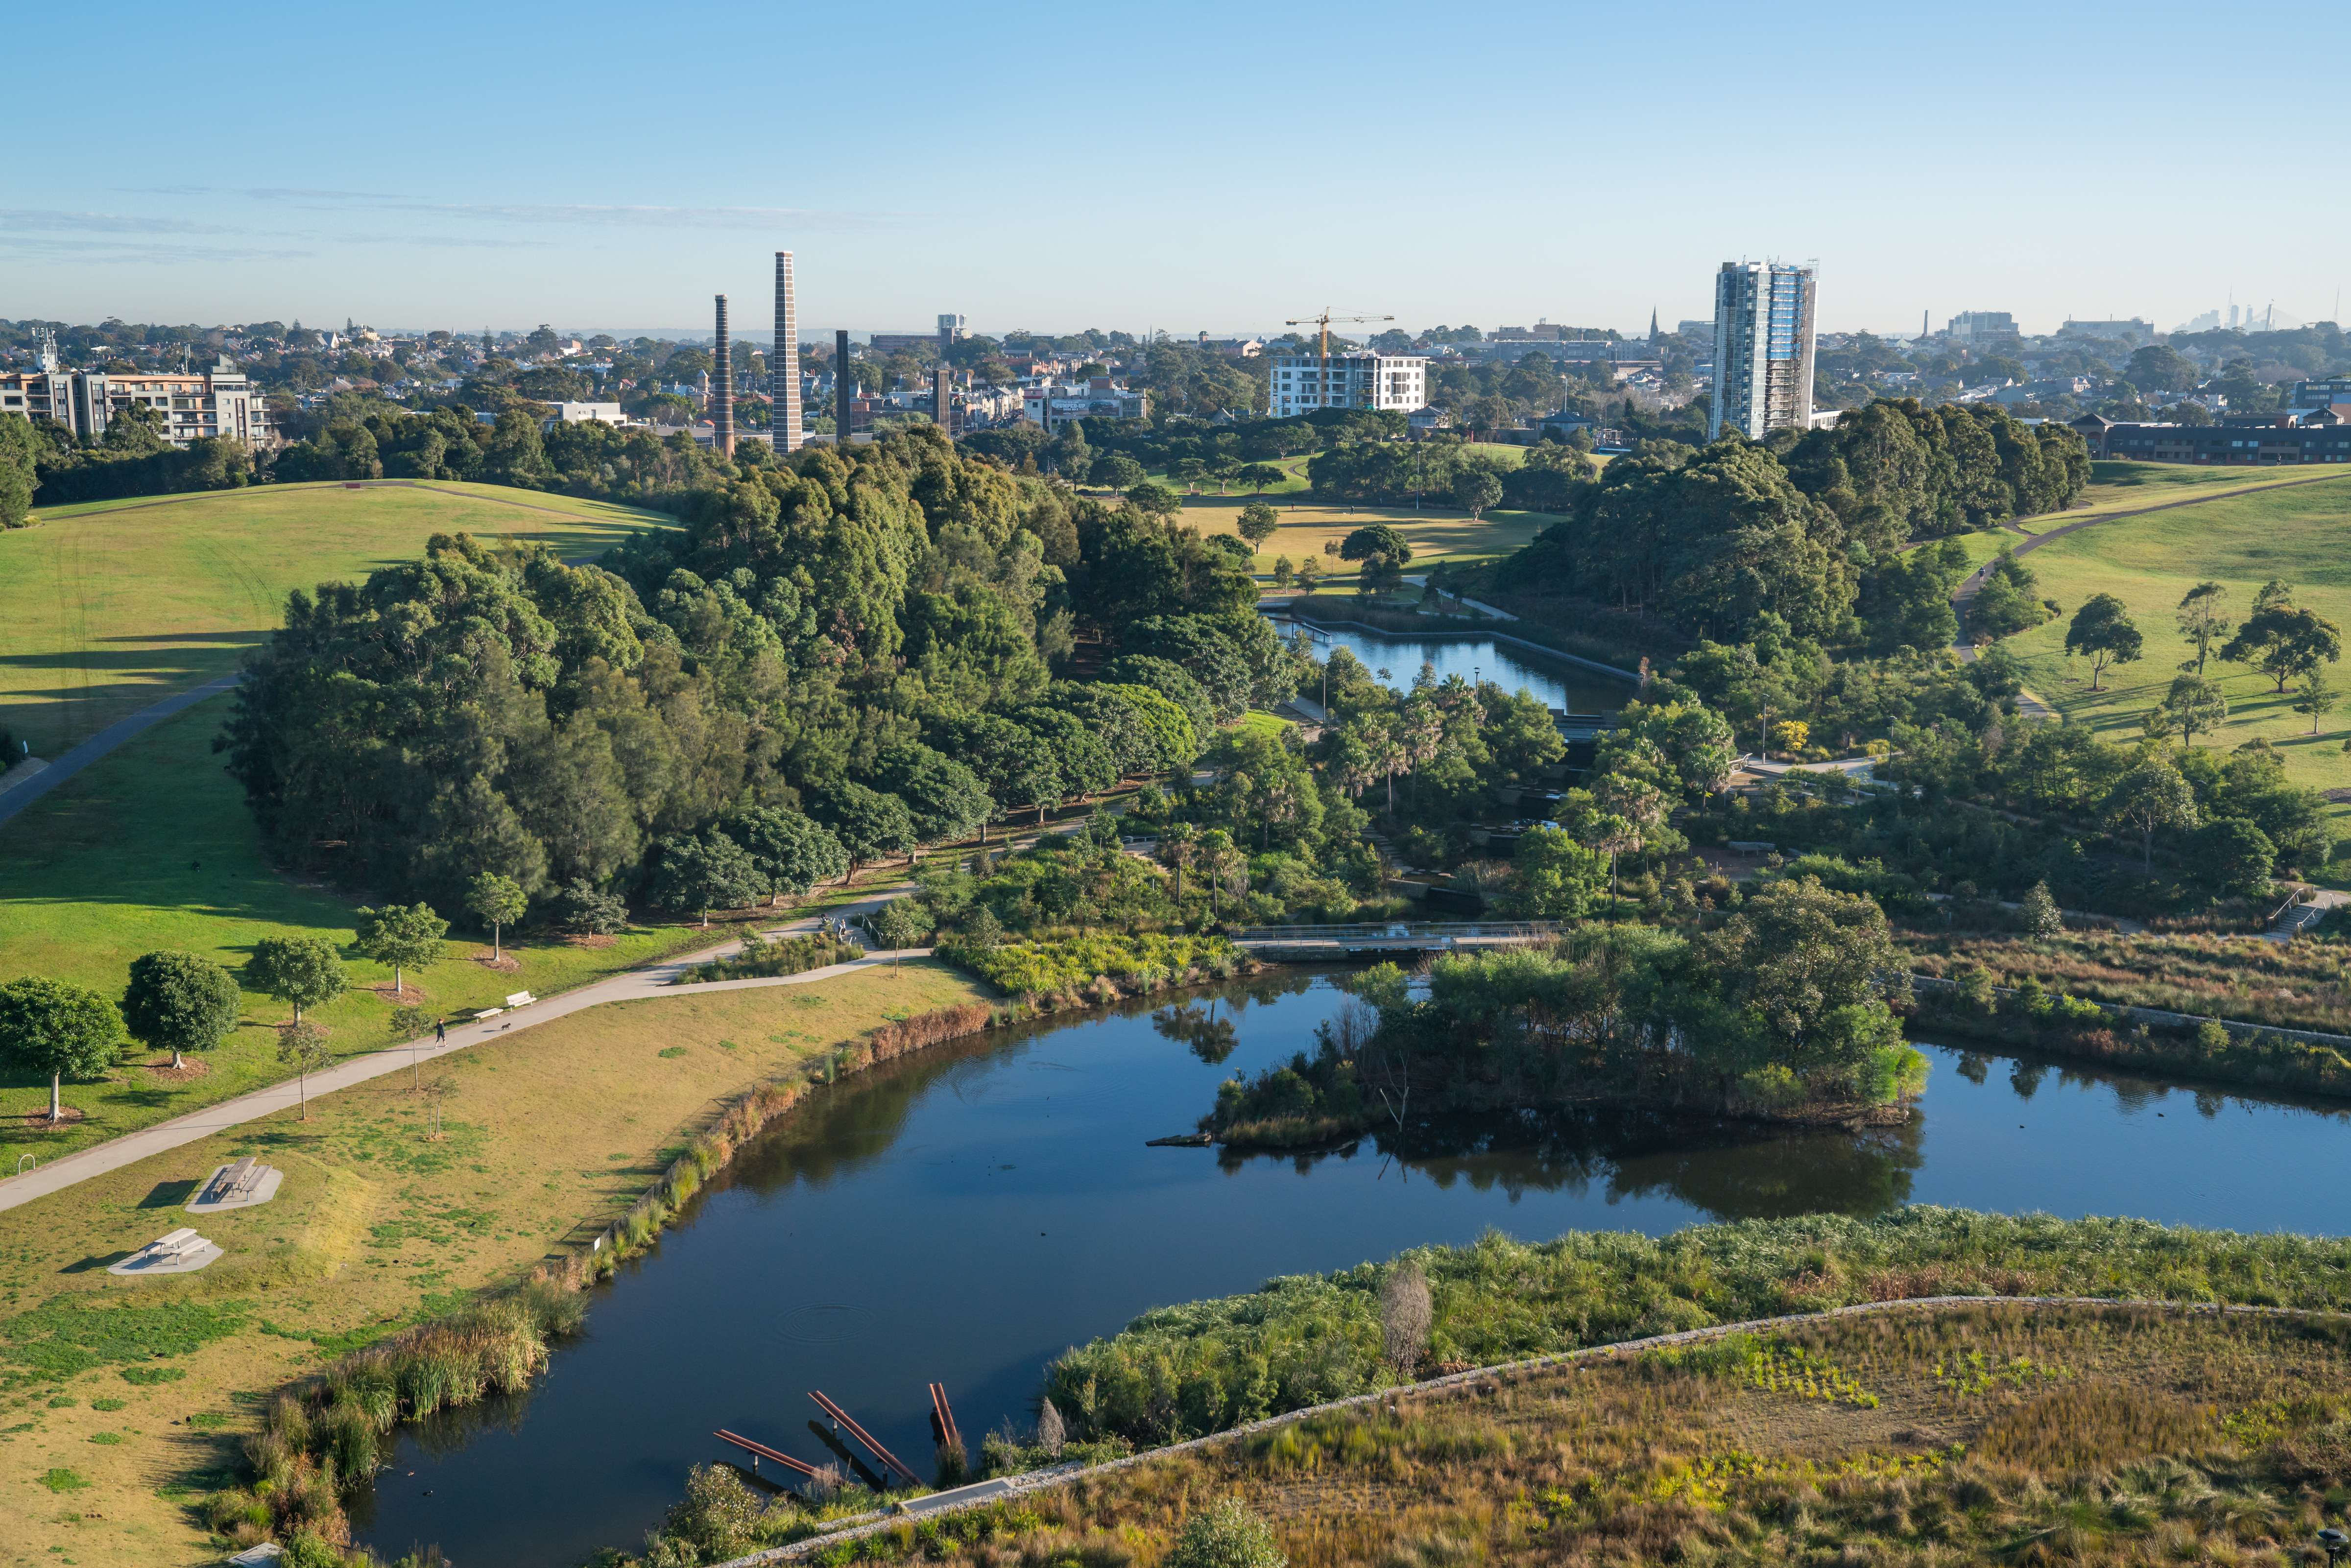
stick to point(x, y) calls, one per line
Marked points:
point(983, 1493)
point(633, 985)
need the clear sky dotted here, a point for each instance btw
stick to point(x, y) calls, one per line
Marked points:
point(1209, 166)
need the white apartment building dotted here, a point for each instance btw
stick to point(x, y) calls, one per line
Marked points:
point(586, 413)
point(1360, 379)
point(219, 402)
point(1100, 398)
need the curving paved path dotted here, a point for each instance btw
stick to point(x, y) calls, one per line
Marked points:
point(122, 729)
point(2030, 705)
point(634, 985)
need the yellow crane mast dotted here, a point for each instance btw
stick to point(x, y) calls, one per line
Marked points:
point(1323, 322)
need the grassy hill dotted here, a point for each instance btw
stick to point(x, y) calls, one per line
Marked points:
point(114, 604)
point(2150, 562)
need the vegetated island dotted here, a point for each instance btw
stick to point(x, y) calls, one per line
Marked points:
point(1779, 1013)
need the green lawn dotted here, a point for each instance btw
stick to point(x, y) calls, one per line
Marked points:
point(112, 605)
point(151, 847)
point(2149, 563)
point(1438, 534)
point(2127, 486)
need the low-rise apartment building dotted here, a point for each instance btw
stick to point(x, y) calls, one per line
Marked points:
point(187, 406)
point(1362, 379)
point(1053, 406)
point(2320, 437)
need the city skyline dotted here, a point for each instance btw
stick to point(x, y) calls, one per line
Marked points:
point(514, 166)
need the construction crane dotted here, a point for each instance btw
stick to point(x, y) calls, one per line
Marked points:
point(1323, 322)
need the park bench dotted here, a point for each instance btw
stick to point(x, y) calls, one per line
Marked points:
point(521, 999)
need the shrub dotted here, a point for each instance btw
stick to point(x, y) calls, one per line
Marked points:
point(1226, 1534)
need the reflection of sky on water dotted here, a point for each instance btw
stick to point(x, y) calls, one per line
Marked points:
point(965, 1215)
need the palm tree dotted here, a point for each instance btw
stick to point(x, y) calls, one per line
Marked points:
point(1179, 844)
point(1611, 835)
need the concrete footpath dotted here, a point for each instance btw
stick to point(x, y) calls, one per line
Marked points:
point(635, 985)
point(15, 799)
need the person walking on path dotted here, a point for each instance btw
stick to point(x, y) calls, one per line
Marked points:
point(440, 1031)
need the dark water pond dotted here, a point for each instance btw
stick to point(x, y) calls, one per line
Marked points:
point(965, 1215)
point(1559, 683)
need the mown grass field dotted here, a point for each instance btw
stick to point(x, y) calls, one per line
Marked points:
point(545, 1138)
point(112, 605)
point(1972, 1435)
point(153, 847)
point(2118, 486)
point(2150, 562)
point(1438, 534)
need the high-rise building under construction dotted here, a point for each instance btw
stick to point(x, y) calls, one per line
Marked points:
point(1762, 348)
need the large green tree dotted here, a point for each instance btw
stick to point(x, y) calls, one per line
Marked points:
point(2102, 632)
point(406, 937)
point(57, 1030)
point(300, 971)
point(180, 1002)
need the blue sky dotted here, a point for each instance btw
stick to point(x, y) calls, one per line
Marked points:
point(1210, 166)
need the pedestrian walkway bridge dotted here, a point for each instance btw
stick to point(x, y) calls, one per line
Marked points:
point(1332, 943)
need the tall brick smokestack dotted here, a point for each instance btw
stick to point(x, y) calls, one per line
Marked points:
point(722, 390)
point(942, 410)
point(784, 361)
point(844, 387)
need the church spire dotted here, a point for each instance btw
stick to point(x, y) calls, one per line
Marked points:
point(1652, 323)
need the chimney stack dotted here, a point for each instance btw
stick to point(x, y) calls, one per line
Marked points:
point(844, 386)
point(722, 390)
point(942, 412)
point(784, 363)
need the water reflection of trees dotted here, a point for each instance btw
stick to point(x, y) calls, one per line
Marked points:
point(1729, 1170)
point(839, 1129)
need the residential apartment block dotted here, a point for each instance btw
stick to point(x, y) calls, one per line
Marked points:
point(1304, 383)
point(1762, 348)
point(219, 402)
point(2322, 436)
point(1053, 406)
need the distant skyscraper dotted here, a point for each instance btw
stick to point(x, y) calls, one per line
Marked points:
point(1762, 348)
point(784, 363)
point(722, 388)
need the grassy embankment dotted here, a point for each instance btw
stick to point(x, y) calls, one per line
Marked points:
point(1990, 1434)
point(2150, 562)
point(112, 605)
point(115, 604)
point(131, 1398)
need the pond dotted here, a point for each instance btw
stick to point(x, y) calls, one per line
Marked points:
point(962, 1217)
point(1560, 684)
